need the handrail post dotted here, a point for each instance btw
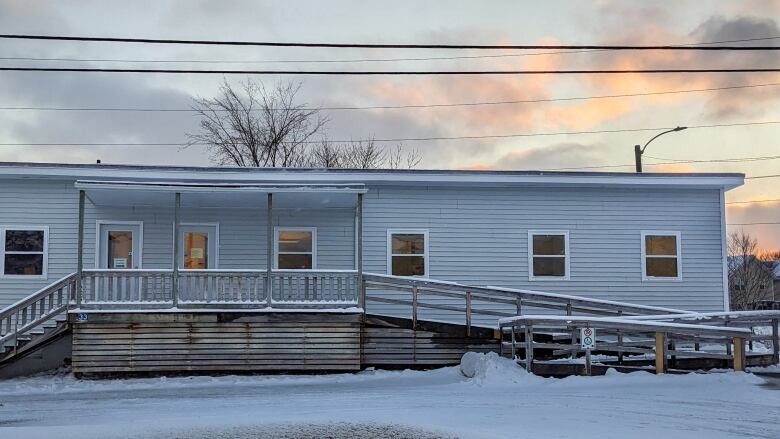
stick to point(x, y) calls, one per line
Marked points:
point(620, 340)
point(529, 348)
point(468, 313)
point(739, 354)
point(269, 230)
point(776, 341)
point(414, 307)
point(660, 352)
point(80, 246)
point(359, 251)
point(176, 226)
point(573, 354)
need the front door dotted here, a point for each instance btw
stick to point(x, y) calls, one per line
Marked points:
point(120, 246)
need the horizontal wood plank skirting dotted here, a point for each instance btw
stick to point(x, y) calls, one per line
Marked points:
point(139, 343)
point(218, 342)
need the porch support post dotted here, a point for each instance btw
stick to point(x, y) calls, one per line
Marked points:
point(80, 255)
point(359, 249)
point(269, 249)
point(176, 226)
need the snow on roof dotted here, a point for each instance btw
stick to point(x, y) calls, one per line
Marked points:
point(375, 176)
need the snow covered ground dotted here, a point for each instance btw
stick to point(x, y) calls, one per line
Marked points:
point(500, 401)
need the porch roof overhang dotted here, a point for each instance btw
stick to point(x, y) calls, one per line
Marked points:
point(219, 194)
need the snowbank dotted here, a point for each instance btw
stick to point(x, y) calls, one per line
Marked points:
point(491, 368)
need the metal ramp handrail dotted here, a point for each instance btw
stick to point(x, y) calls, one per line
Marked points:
point(470, 295)
point(32, 311)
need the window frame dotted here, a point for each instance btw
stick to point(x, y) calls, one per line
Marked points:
point(313, 231)
point(45, 271)
point(425, 254)
point(678, 256)
point(566, 256)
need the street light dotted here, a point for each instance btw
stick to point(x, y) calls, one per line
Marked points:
point(638, 151)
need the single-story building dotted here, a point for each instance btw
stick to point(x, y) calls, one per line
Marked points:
point(177, 235)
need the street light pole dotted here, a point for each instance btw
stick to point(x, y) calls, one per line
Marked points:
point(639, 150)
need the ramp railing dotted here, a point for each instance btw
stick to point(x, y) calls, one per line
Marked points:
point(468, 301)
point(660, 341)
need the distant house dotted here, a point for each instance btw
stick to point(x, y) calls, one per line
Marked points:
point(751, 281)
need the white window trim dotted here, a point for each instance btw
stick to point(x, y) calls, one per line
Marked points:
point(426, 247)
point(566, 256)
point(313, 231)
point(45, 230)
point(678, 240)
point(140, 224)
point(216, 243)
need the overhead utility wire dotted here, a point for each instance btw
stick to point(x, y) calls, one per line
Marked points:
point(415, 139)
point(672, 162)
point(769, 200)
point(386, 72)
point(382, 46)
point(754, 224)
point(356, 60)
point(395, 107)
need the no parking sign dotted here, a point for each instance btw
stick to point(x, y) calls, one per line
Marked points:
point(588, 338)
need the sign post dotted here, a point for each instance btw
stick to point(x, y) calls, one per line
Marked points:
point(587, 342)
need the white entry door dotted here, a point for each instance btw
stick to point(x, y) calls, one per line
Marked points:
point(120, 246)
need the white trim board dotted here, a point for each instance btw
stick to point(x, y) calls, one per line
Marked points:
point(196, 224)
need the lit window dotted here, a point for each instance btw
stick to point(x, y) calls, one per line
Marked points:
point(661, 255)
point(548, 254)
point(24, 251)
point(408, 252)
point(295, 249)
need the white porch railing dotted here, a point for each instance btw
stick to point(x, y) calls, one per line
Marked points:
point(219, 289)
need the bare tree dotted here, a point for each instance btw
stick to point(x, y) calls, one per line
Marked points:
point(360, 154)
point(258, 127)
point(750, 281)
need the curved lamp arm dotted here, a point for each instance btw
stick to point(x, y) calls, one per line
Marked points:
point(661, 134)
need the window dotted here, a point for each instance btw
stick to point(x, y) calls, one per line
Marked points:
point(296, 249)
point(661, 255)
point(407, 252)
point(548, 255)
point(24, 251)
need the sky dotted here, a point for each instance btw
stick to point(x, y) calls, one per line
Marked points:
point(449, 22)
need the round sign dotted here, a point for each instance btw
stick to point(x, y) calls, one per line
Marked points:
point(588, 340)
point(588, 331)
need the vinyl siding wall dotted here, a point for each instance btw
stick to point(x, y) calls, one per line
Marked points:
point(477, 236)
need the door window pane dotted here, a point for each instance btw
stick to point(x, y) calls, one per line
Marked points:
point(120, 249)
point(196, 250)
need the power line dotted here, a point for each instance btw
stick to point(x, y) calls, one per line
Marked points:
point(769, 200)
point(753, 224)
point(762, 176)
point(420, 139)
point(381, 46)
point(354, 60)
point(385, 72)
point(410, 106)
point(672, 162)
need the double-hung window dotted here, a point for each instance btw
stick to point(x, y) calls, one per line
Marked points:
point(296, 248)
point(24, 251)
point(661, 256)
point(407, 252)
point(548, 255)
